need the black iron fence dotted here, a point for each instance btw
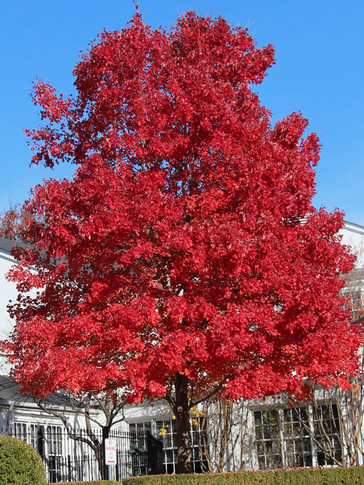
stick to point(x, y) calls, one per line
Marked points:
point(68, 459)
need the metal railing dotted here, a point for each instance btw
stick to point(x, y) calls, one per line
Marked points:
point(68, 459)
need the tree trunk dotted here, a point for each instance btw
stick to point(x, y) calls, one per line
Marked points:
point(99, 452)
point(182, 413)
point(105, 468)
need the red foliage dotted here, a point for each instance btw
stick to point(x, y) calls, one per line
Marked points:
point(179, 248)
point(14, 222)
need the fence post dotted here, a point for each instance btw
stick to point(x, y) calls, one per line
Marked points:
point(69, 468)
point(105, 435)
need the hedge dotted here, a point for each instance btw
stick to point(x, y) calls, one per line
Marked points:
point(20, 464)
point(304, 476)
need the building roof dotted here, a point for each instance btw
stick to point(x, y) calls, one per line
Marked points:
point(8, 244)
point(10, 393)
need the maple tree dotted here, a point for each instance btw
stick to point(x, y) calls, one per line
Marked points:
point(185, 259)
point(14, 221)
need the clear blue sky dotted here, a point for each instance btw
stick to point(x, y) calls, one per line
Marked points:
point(319, 70)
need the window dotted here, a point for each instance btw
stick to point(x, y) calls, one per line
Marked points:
point(20, 431)
point(165, 430)
point(268, 439)
point(140, 427)
point(54, 440)
point(54, 448)
point(139, 448)
point(327, 434)
point(44, 439)
point(37, 438)
point(297, 437)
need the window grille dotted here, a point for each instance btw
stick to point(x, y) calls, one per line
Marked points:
point(297, 437)
point(165, 430)
point(20, 431)
point(268, 439)
point(327, 434)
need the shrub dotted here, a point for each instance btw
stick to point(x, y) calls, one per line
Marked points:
point(20, 464)
point(308, 476)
